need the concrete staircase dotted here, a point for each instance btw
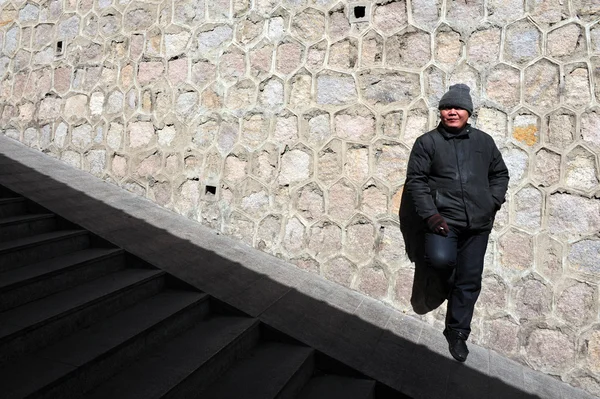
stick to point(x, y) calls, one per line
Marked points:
point(81, 318)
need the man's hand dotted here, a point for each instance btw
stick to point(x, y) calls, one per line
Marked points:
point(436, 224)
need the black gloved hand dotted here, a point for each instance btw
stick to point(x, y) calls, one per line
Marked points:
point(437, 224)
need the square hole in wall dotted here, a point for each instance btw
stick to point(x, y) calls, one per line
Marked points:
point(60, 48)
point(359, 12)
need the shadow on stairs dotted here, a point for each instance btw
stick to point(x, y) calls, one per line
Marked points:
point(82, 318)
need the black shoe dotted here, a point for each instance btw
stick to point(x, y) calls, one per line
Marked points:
point(457, 344)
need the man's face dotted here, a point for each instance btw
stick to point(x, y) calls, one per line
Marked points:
point(454, 118)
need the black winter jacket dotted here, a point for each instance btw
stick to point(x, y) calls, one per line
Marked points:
point(460, 176)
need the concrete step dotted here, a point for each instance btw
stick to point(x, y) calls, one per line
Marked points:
point(20, 226)
point(187, 364)
point(272, 370)
point(335, 386)
point(88, 357)
point(26, 284)
point(12, 206)
point(28, 250)
point(39, 323)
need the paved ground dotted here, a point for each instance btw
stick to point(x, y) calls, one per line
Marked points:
point(381, 342)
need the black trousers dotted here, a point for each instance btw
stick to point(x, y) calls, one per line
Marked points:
point(457, 261)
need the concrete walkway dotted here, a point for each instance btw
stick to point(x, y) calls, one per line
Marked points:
point(369, 336)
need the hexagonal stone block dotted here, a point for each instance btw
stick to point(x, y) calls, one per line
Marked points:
point(255, 129)
point(236, 166)
point(316, 127)
point(448, 46)
point(329, 162)
point(260, 57)
point(90, 25)
point(494, 295)
point(343, 54)
point(269, 232)
point(340, 270)
point(542, 84)
point(285, 129)
point(567, 42)
point(372, 280)
point(547, 167)
point(325, 239)
point(586, 10)
point(590, 128)
point(242, 96)
point(403, 288)
point(294, 239)
point(254, 198)
point(240, 227)
point(465, 15)
point(341, 204)
point(516, 250)
point(528, 208)
point(577, 85)
point(532, 298)
point(356, 124)
point(218, 9)
point(517, 162)
point(119, 166)
point(581, 172)
point(228, 135)
point(289, 56)
point(483, 47)
point(301, 90)
point(389, 17)
point(338, 22)
point(434, 80)
point(572, 215)
point(392, 124)
point(526, 128)
point(390, 160)
point(583, 256)
point(71, 158)
point(523, 42)
point(140, 16)
point(561, 128)
point(550, 350)
point(426, 13)
point(310, 202)
point(211, 38)
point(410, 48)
point(316, 55)
point(147, 166)
point(493, 122)
point(501, 334)
point(188, 195)
point(503, 85)
point(550, 257)
point(503, 11)
point(576, 303)
point(277, 25)
point(250, 28)
point(296, 165)
point(374, 199)
point(335, 89)
point(232, 63)
point(356, 162)
point(265, 163)
point(417, 123)
point(309, 25)
point(372, 49)
point(381, 87)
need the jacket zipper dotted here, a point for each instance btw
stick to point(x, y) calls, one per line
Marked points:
point(462, 189)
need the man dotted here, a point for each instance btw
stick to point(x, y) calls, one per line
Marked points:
point(455, 183)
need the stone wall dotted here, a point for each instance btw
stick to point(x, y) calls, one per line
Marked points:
point(288, 125)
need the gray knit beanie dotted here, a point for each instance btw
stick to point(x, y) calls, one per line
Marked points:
point(457, 96)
